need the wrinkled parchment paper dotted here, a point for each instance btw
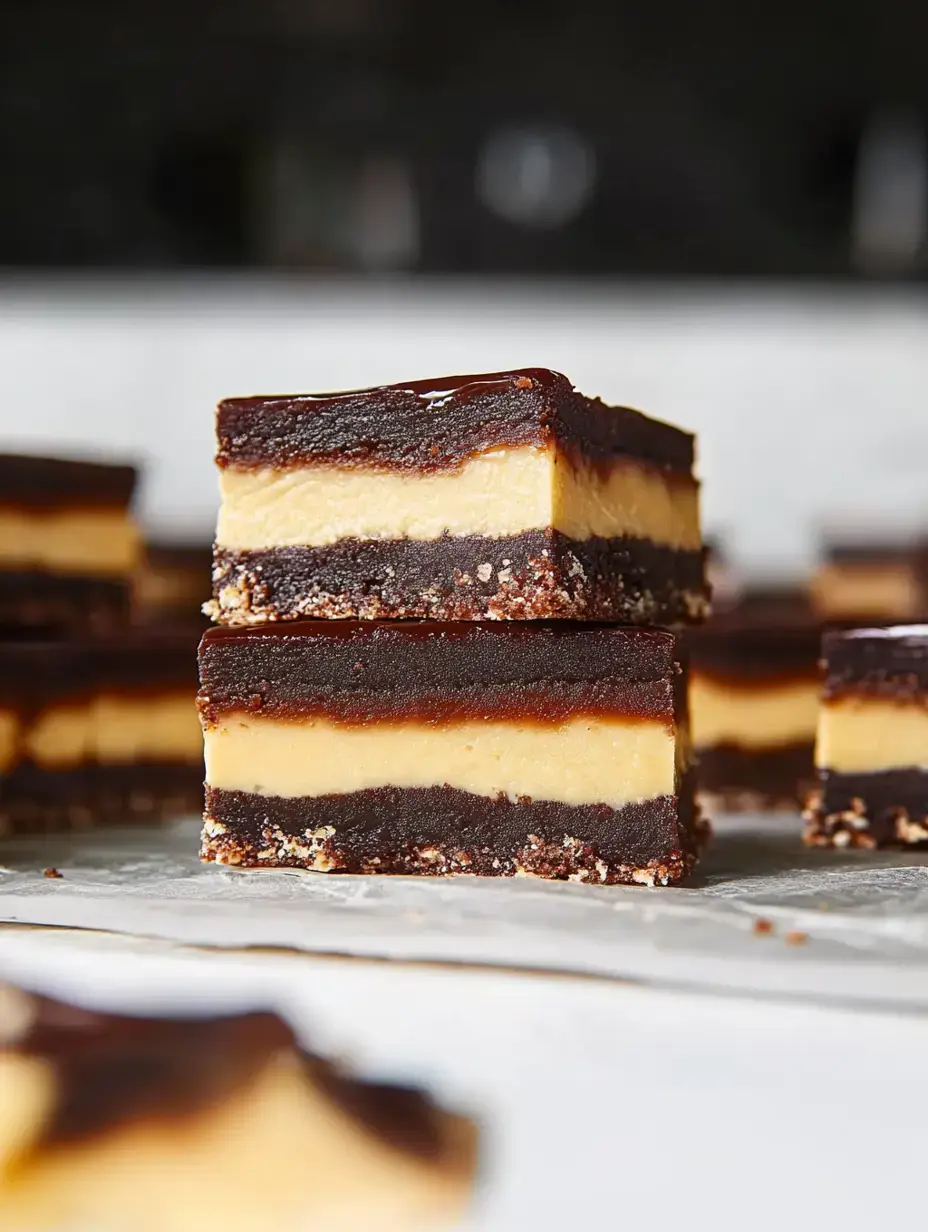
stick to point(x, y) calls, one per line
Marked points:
point(764, 915)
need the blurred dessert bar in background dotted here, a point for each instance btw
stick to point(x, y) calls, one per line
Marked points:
point(872, 747)
point(98, 730)
point(754, 701)
point(873, 581)
point(68, 544)
point(173, 582)
point(114, 1122)
point(507, 496)
point(557, 750)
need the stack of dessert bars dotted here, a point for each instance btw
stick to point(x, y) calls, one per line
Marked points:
point(443, 634)
point(97, 722)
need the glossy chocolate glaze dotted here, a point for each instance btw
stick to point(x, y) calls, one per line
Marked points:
point(436, 424)
point(535, 575)
point(112, 1070)
point(362, 671)
point(393, 830)
point(52, 483)
point(880, 666)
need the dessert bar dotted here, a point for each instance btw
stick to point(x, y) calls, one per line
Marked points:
point(876, 582)
point(872, 747)
point(754, 702)
point(173, 582)
point(68, 545)
point(111, 1122)
point(506, 496)
point(559, 750)
point(96, 730)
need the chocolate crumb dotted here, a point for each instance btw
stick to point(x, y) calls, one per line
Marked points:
point(762, 927)
point(53, 874)
point(796, 938)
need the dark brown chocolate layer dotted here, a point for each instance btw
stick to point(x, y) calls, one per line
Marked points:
point(112, 1070)
point(51, 483)
point(442, 830)
point(535, 575)
point(37, 800)
point(872, 663)
point(429, 671)
point(150, 661)
point(767, 633)
point(744, 780)
point(436, 424)
point(50, 602)
point(888, 808)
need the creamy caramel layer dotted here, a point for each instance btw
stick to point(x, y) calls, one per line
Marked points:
point(758, 715)
point(113, 730)
point(495, 494)
point(101, 542)
point(868, 591)
point(152, 1175)
point(583, 761)
point(861, 735)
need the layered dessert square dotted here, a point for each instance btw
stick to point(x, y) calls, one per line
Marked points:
point(871, 581)
point(558, 750)
point(754, 684)
point(113, 1122)
point(506, 496)
point(98, 730)
point(68, 545)
point(872, 746)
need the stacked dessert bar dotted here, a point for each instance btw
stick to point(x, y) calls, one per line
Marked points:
point(96, 715)
point(430, 655)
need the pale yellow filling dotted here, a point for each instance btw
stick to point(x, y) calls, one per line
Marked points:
point(754, 716)
point(276, 1154)
point(582, 761)
point(102, 542)
point(861, 735)
point(495, 494)
point(111, 730)
point(866, 591)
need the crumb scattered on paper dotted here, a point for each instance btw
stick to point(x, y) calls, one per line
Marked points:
point(762, 927)
point(53, 873)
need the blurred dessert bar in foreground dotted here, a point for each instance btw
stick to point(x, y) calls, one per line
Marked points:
point(68, 544)
point(754, 701)
point(500, 748)
point(507, 496)
point(222, 1123)
point(876, 581)
point(98, 730)
point(872, 747)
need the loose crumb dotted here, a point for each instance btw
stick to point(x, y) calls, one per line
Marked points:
point(53, 874)
point(762, 927)
point(796, 938)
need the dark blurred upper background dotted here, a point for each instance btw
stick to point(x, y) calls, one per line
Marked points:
point(496, 136)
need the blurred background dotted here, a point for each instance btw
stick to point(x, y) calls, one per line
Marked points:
point(718, 213)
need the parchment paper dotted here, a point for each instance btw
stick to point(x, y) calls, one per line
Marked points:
point(765, 915)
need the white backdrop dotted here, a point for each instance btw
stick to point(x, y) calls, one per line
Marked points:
point(811, 405)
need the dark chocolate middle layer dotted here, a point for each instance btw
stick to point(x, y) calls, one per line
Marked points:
point(437, 424)
point(397, 830)
point(771, 777)
point(33, 600)
point(534, 575)
point(894, 666)
point(433, 672)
